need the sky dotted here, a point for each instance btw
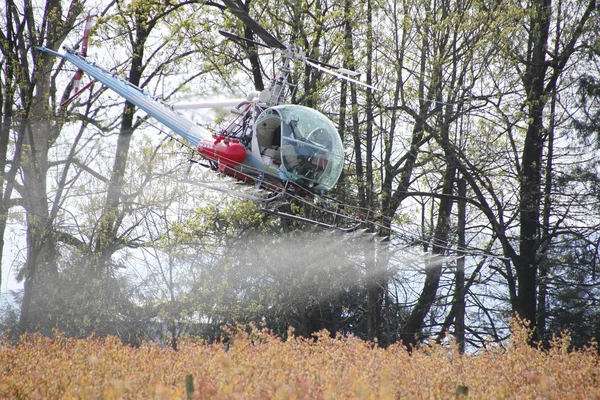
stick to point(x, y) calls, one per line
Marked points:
point(10, 254)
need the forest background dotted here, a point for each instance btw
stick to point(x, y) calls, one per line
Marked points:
point(480, 146)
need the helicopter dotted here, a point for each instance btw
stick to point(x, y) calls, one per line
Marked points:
point(288, 149)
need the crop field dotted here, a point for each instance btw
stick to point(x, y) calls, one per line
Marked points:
point(257, 365)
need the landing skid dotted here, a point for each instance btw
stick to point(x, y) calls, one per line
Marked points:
point(333, 214)
point(276, 212)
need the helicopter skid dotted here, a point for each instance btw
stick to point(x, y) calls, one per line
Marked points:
point(281, 214)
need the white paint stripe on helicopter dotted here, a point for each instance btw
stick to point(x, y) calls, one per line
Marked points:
point(187, 129)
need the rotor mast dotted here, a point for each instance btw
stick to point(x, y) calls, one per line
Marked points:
point(278, 84)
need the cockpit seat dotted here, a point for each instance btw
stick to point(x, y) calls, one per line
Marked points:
point(273, 152)
point(268, 133)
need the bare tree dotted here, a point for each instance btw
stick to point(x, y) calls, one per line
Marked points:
point(35, 130)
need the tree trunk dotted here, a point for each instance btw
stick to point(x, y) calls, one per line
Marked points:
point(107, 240)
point(41, 264)
point(526, 264)
point(459, 291)
point(7, 91)
point(39, 128)
point(414, 323)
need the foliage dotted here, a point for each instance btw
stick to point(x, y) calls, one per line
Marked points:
point(256, 364)
point(241, 266)
point(587, 124)
point(79, 305)
point(574, 292)
point(120, 241)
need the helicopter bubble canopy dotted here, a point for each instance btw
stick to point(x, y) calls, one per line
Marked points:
point(306, 142)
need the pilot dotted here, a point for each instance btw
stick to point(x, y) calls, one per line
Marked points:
point(288, 150)
point(295, 155)
point(290, 157)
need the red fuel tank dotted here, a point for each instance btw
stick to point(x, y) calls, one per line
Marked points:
point(226, 151)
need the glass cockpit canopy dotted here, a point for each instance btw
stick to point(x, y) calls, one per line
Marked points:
point(311, 150)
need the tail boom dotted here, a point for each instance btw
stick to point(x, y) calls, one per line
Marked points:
point(184, 127)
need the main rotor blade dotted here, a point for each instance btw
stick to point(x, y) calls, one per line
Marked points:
point(206, 104)
point(253, 25)
point(235, 37)
point(337, 69)
point(338, 75)
point(238, 38)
